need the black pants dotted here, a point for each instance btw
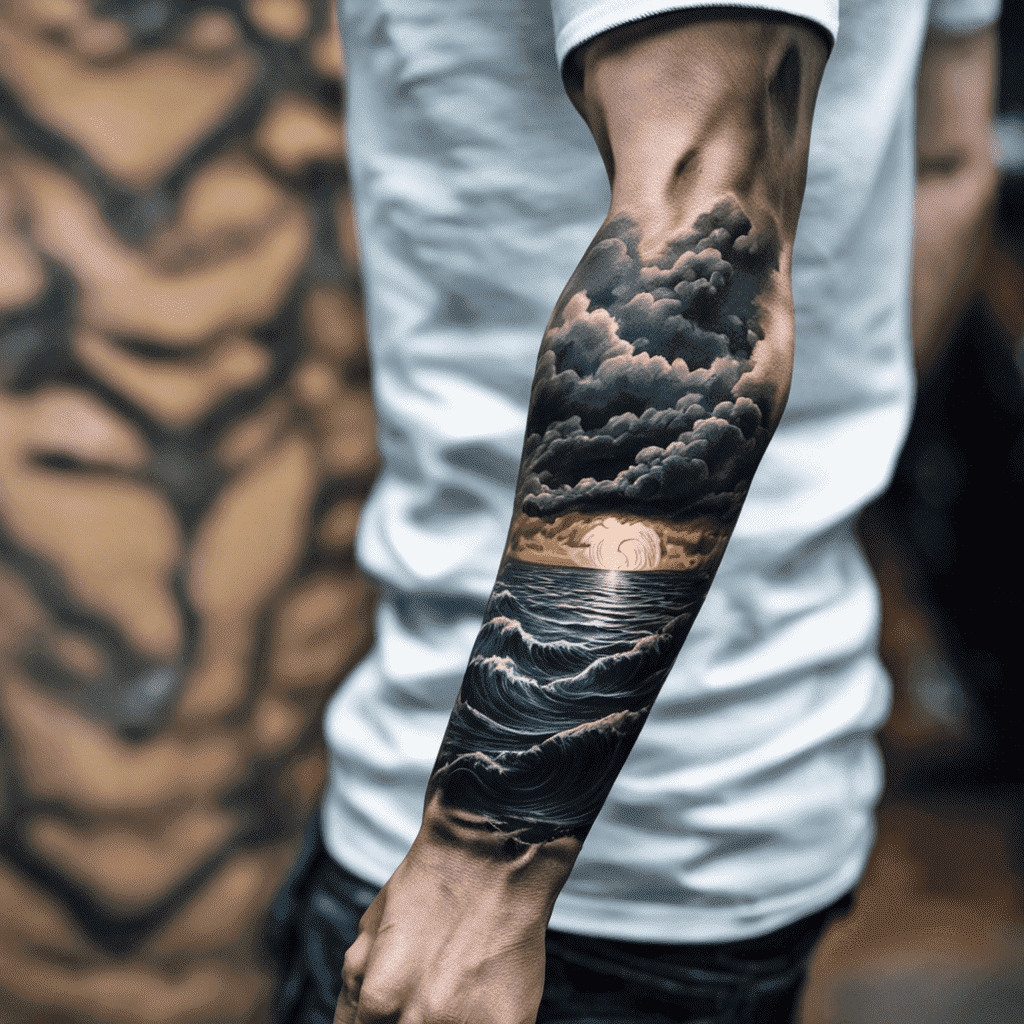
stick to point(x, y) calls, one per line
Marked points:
point(587, 981)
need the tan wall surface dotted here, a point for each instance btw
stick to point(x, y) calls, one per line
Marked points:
point(186, 437)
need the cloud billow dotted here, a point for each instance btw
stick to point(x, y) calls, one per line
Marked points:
point(635, 401)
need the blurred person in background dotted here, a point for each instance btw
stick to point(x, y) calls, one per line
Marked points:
point(948, 635)
point(740, 824)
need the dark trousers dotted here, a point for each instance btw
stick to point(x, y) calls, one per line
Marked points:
point(587, 981)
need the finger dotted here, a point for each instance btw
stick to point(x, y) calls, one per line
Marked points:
point(345, 1011)
point(359, 952)
point(354, 967)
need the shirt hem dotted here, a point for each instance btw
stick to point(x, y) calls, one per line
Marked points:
point(610, 14)
point(673, 924)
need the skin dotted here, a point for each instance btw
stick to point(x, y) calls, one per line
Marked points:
point(707, 171)
point(956, 181)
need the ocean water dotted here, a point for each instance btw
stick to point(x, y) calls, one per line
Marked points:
point(563, 673)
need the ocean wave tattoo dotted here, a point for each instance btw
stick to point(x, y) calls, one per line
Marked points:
point(564, 671)
point(643, 399)
point(649, 413)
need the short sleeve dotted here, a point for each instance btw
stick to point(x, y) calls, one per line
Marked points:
point(960, 16)
point(576, 21)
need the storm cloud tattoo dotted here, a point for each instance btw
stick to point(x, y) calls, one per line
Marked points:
point(637, 401)
point(648, 417)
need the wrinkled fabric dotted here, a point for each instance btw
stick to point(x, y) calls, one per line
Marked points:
point(960, 16)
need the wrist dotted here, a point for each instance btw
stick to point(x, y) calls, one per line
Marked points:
point(465, 846)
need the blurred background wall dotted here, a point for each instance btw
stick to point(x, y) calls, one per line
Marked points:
point(186, 436)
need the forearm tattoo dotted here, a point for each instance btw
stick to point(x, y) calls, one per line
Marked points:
point(651, 407)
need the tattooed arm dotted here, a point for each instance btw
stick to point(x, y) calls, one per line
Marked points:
point(661, 377)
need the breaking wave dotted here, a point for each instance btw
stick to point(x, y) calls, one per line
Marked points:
point(564, 671)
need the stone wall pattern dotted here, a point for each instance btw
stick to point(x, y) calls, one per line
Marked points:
point(186, 438)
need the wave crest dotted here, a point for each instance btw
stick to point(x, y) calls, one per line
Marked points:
point(562, 676)
point(559, 783)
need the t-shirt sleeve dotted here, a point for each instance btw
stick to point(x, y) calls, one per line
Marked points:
point(576, 21)
point(959, 16)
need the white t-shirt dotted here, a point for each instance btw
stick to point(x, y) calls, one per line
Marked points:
point(747, 801)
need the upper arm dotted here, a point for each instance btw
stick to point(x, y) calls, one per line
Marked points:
point(956, 177)
point(692, 108)
point(955, 102)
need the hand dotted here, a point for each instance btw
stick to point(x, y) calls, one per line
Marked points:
point(457, 934)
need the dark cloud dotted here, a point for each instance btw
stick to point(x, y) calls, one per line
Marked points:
point(635, 404)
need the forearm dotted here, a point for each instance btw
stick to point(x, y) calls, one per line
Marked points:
point(661, 378)
point(643, 437)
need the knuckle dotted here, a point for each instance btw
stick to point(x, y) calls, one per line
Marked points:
point(377, 1007)
point(352, 966)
